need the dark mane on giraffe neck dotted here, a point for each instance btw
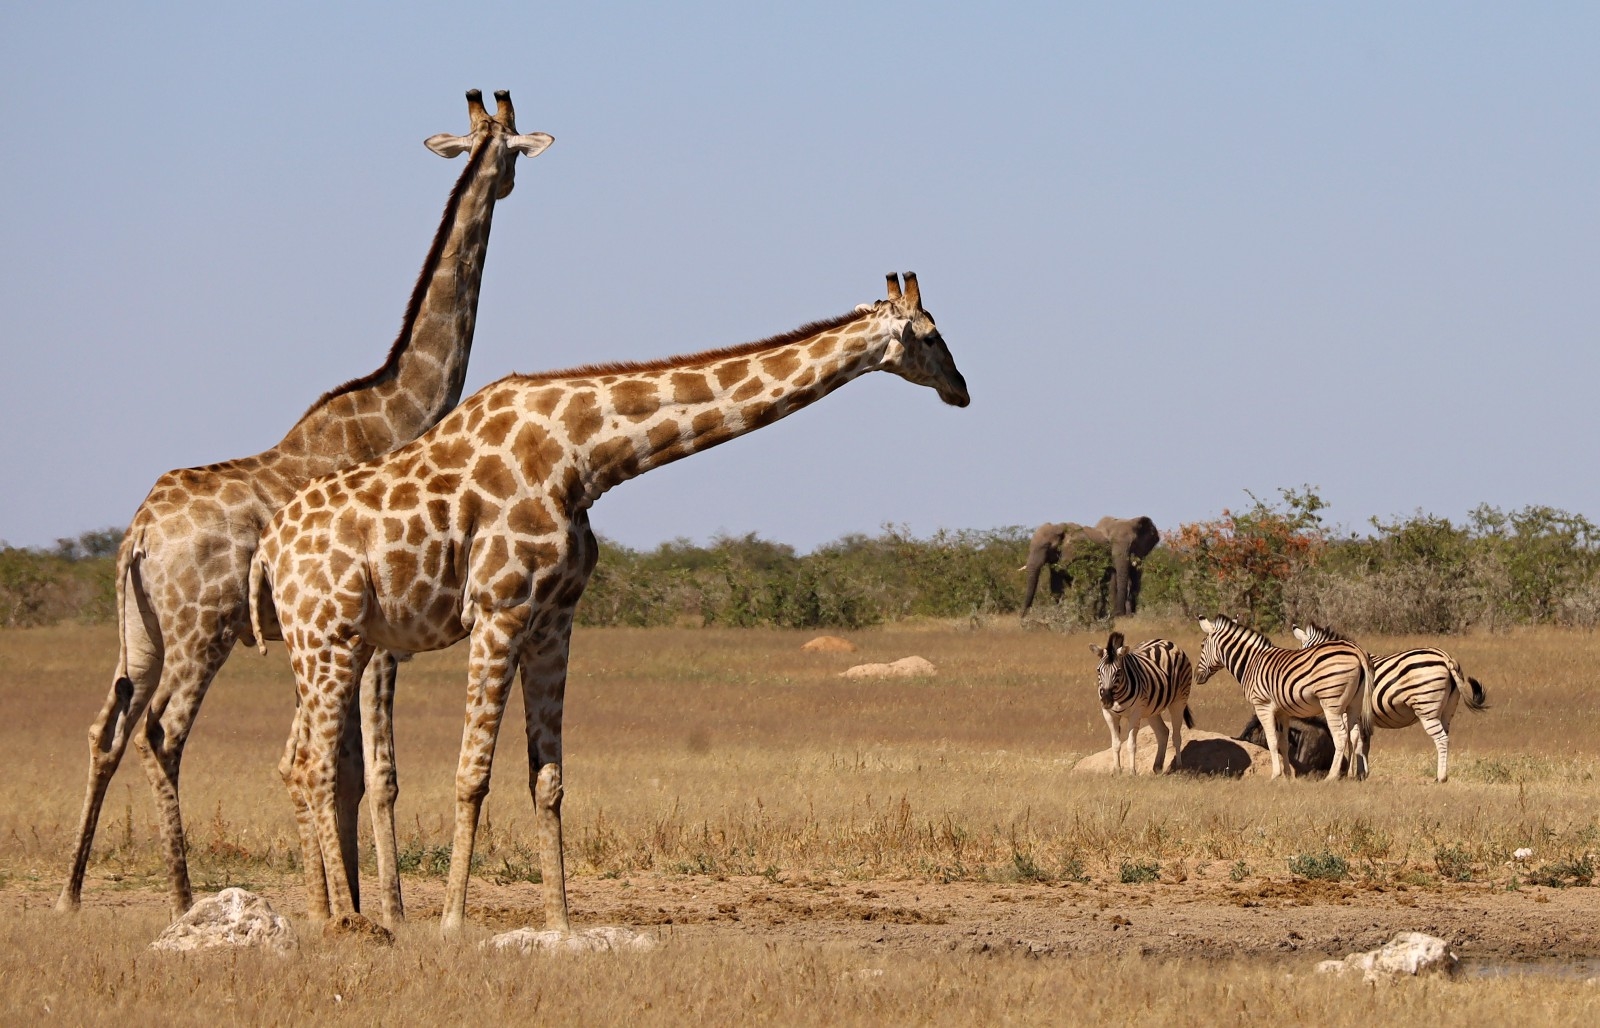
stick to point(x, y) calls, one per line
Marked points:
point(805, 331)
point(430, 264)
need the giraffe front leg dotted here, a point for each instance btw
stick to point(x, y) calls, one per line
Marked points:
point(489, 673)
point(544, 682)
point(328, 693)
point(383, 783)
point(312, 869)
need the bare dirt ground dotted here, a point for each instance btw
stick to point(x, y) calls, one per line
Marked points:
point(1204, 917)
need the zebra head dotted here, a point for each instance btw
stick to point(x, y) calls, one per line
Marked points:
point(1227, 644)
point(1111, 673)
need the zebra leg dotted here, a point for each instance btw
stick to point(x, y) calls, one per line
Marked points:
point(1269, 725)
point(1288, 751)
point(1116, 739)
point(1339, 727)
point(1176, 714)
point(1439, 731)
point(1160, 728)
point(1133, 744)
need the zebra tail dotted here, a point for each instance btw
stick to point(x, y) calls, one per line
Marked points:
point(1367, 715)
point(1479, 699)
point(1188, 718)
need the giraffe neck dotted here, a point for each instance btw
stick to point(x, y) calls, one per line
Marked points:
point(638, 419)
point(422, 379)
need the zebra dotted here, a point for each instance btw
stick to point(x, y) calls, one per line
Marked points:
point(1411, 686)
point(1331, 679)
point(1138, 686)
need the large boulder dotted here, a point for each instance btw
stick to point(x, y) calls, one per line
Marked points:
point(905, 667)
point(584, 940)
point(232, 918)
point(829, 644)
point(1204, 753)
point(1408, 953)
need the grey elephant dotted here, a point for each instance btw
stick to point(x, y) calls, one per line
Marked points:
point(1130, 540)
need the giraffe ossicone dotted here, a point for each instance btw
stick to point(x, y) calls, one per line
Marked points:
point(479, 530)
point(184, 564)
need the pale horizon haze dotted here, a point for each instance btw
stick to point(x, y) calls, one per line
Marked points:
point(1179, 251)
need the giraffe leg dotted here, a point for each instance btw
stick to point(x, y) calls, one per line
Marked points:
point(544, 684)
point(349, 786)
point(320, 724)
point(489, 673)
point(191, 664)
point(316, 876)
point(383, 784)
point(108, 738)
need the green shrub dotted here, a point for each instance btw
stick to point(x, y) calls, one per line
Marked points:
point(1135, 872)
point(1322, 866)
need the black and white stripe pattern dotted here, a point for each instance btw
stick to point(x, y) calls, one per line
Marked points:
point(1421, 685)
point(1140, 685)
point(1332, 679)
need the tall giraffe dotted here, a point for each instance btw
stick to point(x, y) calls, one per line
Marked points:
point(183, 566)
point(480, 529)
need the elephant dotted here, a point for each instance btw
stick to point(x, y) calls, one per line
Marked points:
point(1130, 540)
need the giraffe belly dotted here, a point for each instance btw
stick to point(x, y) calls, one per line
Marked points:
point(433, 624)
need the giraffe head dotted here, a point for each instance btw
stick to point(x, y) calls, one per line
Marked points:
point(498, 130)
point(919, 354)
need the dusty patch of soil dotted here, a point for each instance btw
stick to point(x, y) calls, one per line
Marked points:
point(1205, 916)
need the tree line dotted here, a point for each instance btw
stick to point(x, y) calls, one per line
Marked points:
point(1268, 563)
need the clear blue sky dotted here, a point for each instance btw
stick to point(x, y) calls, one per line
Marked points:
point(1179, 250)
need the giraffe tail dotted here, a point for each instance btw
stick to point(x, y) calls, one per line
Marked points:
point(129, 556)
point(258, 571)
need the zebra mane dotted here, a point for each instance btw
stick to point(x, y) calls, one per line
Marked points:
point(1326, 633)
point(1113, 643)
point(1237, 630)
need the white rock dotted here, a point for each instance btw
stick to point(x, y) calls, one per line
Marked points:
point(585, 940)
point(233, 917)
point(1408, 953)
point(1522, 854)
point(905, 667)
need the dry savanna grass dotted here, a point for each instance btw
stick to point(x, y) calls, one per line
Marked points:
point(701, 759)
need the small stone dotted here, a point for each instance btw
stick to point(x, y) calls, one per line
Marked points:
point(1408, 953)
point(905, 667)
point(232, 918)
point(585, 940)
point(829, 644)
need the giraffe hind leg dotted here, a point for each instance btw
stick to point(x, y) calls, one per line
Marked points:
point(383, 786)
point(544, 680)
point(108, 741)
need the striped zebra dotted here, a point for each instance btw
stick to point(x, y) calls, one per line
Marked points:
point(1332, 679)
point(1423, 685)
point(1138, 685)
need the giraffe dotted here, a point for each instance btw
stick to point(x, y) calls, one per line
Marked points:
point(183, 565)
point(480, 530)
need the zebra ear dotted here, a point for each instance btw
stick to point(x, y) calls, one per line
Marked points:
point(1299, 633)
point(1207, 626)
point(1122, 651)
point(1097, 651)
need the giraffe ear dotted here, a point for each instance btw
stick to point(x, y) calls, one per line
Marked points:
point(530, 144)
point(446, 145)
